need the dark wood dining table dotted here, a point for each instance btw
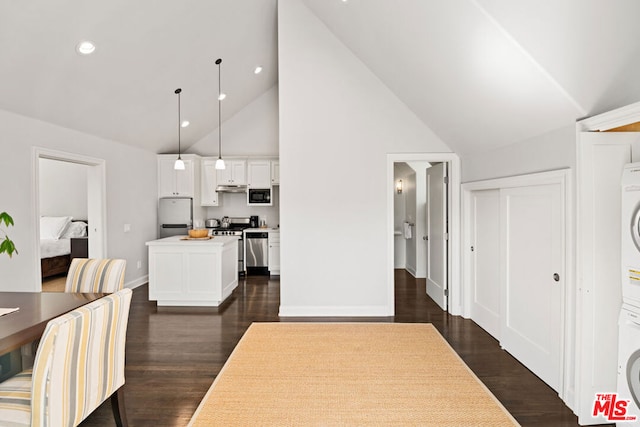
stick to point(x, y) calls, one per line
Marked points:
point(35, 310)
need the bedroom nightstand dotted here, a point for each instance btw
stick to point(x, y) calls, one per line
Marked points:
point(79, 247)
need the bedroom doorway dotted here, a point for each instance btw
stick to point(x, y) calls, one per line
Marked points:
point(68, 201)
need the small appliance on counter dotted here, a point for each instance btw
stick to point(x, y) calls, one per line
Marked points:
point(212, 223)
point(175, 216)
point(253, 220)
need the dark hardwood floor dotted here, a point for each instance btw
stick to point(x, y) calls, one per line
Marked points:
point(173, 354)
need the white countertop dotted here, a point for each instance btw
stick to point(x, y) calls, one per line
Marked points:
point(177, 240)
point(264, 230)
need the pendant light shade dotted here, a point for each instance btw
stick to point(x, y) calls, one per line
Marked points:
point(219, 163)
point(179, 164)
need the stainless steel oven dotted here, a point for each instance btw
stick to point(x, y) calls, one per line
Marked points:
point(235, 227)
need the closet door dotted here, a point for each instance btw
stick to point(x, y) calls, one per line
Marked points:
point(532, 250)
point(485, 260)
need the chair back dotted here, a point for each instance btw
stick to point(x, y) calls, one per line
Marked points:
point(95, 275)
point(80, 361)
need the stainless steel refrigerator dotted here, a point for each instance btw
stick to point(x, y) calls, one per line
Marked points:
point(175, 216)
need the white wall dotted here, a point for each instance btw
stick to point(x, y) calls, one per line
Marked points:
point(410, 201)
point(550, 151)
point(131, 195)
point(400, 172)
point(421, 217)
point(55, 176)
point(338, 122)
point(253, 131)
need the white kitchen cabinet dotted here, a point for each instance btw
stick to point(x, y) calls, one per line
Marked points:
point(209, 181)
point(192, 272)
point(235, 173)
point(259, 174)
point(275, 172)
point(274, 252)
point(175, 183)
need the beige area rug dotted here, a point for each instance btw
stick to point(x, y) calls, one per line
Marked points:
point(320, 374)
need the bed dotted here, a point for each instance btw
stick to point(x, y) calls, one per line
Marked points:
point(55, 243)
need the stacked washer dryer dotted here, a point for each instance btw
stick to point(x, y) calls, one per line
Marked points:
point(629, 320)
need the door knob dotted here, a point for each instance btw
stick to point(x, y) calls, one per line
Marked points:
point(556, 277)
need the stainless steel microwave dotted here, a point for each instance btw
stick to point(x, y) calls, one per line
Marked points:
point(259, 196)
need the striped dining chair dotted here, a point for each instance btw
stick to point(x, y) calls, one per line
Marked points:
point(95, 275)
point(78, 365)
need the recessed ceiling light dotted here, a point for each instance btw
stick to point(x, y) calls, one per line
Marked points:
point(258, 70)
point(85, 48)
point(222, 96)
point(184, 123)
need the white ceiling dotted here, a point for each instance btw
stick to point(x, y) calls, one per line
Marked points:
point(145, 50)
point(485, 73)
point(479, 73)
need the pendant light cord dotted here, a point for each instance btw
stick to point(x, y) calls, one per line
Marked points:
point(178, 92)
point(219, 61)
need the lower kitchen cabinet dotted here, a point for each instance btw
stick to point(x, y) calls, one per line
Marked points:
point(274, 252)
point(192, 272)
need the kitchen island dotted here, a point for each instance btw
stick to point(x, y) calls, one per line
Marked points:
point(194, 272)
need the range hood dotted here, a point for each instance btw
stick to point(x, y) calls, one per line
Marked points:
point(231, 188)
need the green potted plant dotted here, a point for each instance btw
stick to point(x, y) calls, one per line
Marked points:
point(6, 246)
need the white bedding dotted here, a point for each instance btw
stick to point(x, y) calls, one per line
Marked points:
point(50, 248)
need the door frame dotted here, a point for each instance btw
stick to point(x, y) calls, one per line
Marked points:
point(97, 200)
point(453, 252)
point(564, 178)
point(580, 400)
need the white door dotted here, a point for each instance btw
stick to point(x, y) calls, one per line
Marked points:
point(532, 250)
point(485, 260)
point(437, 234)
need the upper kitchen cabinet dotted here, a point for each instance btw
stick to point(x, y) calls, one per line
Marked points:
point(275, 172)
point(234, 174)
point(176, 183)
point(259, 174)
point(209, 181)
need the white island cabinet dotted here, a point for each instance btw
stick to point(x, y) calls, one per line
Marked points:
point(192, 272)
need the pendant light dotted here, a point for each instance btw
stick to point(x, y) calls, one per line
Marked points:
point(179, 164)
point(219, 163)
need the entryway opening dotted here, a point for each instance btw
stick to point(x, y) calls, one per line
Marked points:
point(424, 223)
point(67, 185)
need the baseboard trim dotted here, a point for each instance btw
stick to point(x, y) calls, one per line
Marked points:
point(137, 282)
point(335, 311)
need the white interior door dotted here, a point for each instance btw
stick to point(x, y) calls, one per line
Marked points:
point(485, 260)
point(437, 234)
point(532, 250)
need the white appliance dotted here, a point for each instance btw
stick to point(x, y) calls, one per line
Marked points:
point(629, 320)
point(175, 216)
point(629, 364)
point(631, 233)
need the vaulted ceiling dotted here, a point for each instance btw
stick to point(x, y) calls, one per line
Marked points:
point(479, 73)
